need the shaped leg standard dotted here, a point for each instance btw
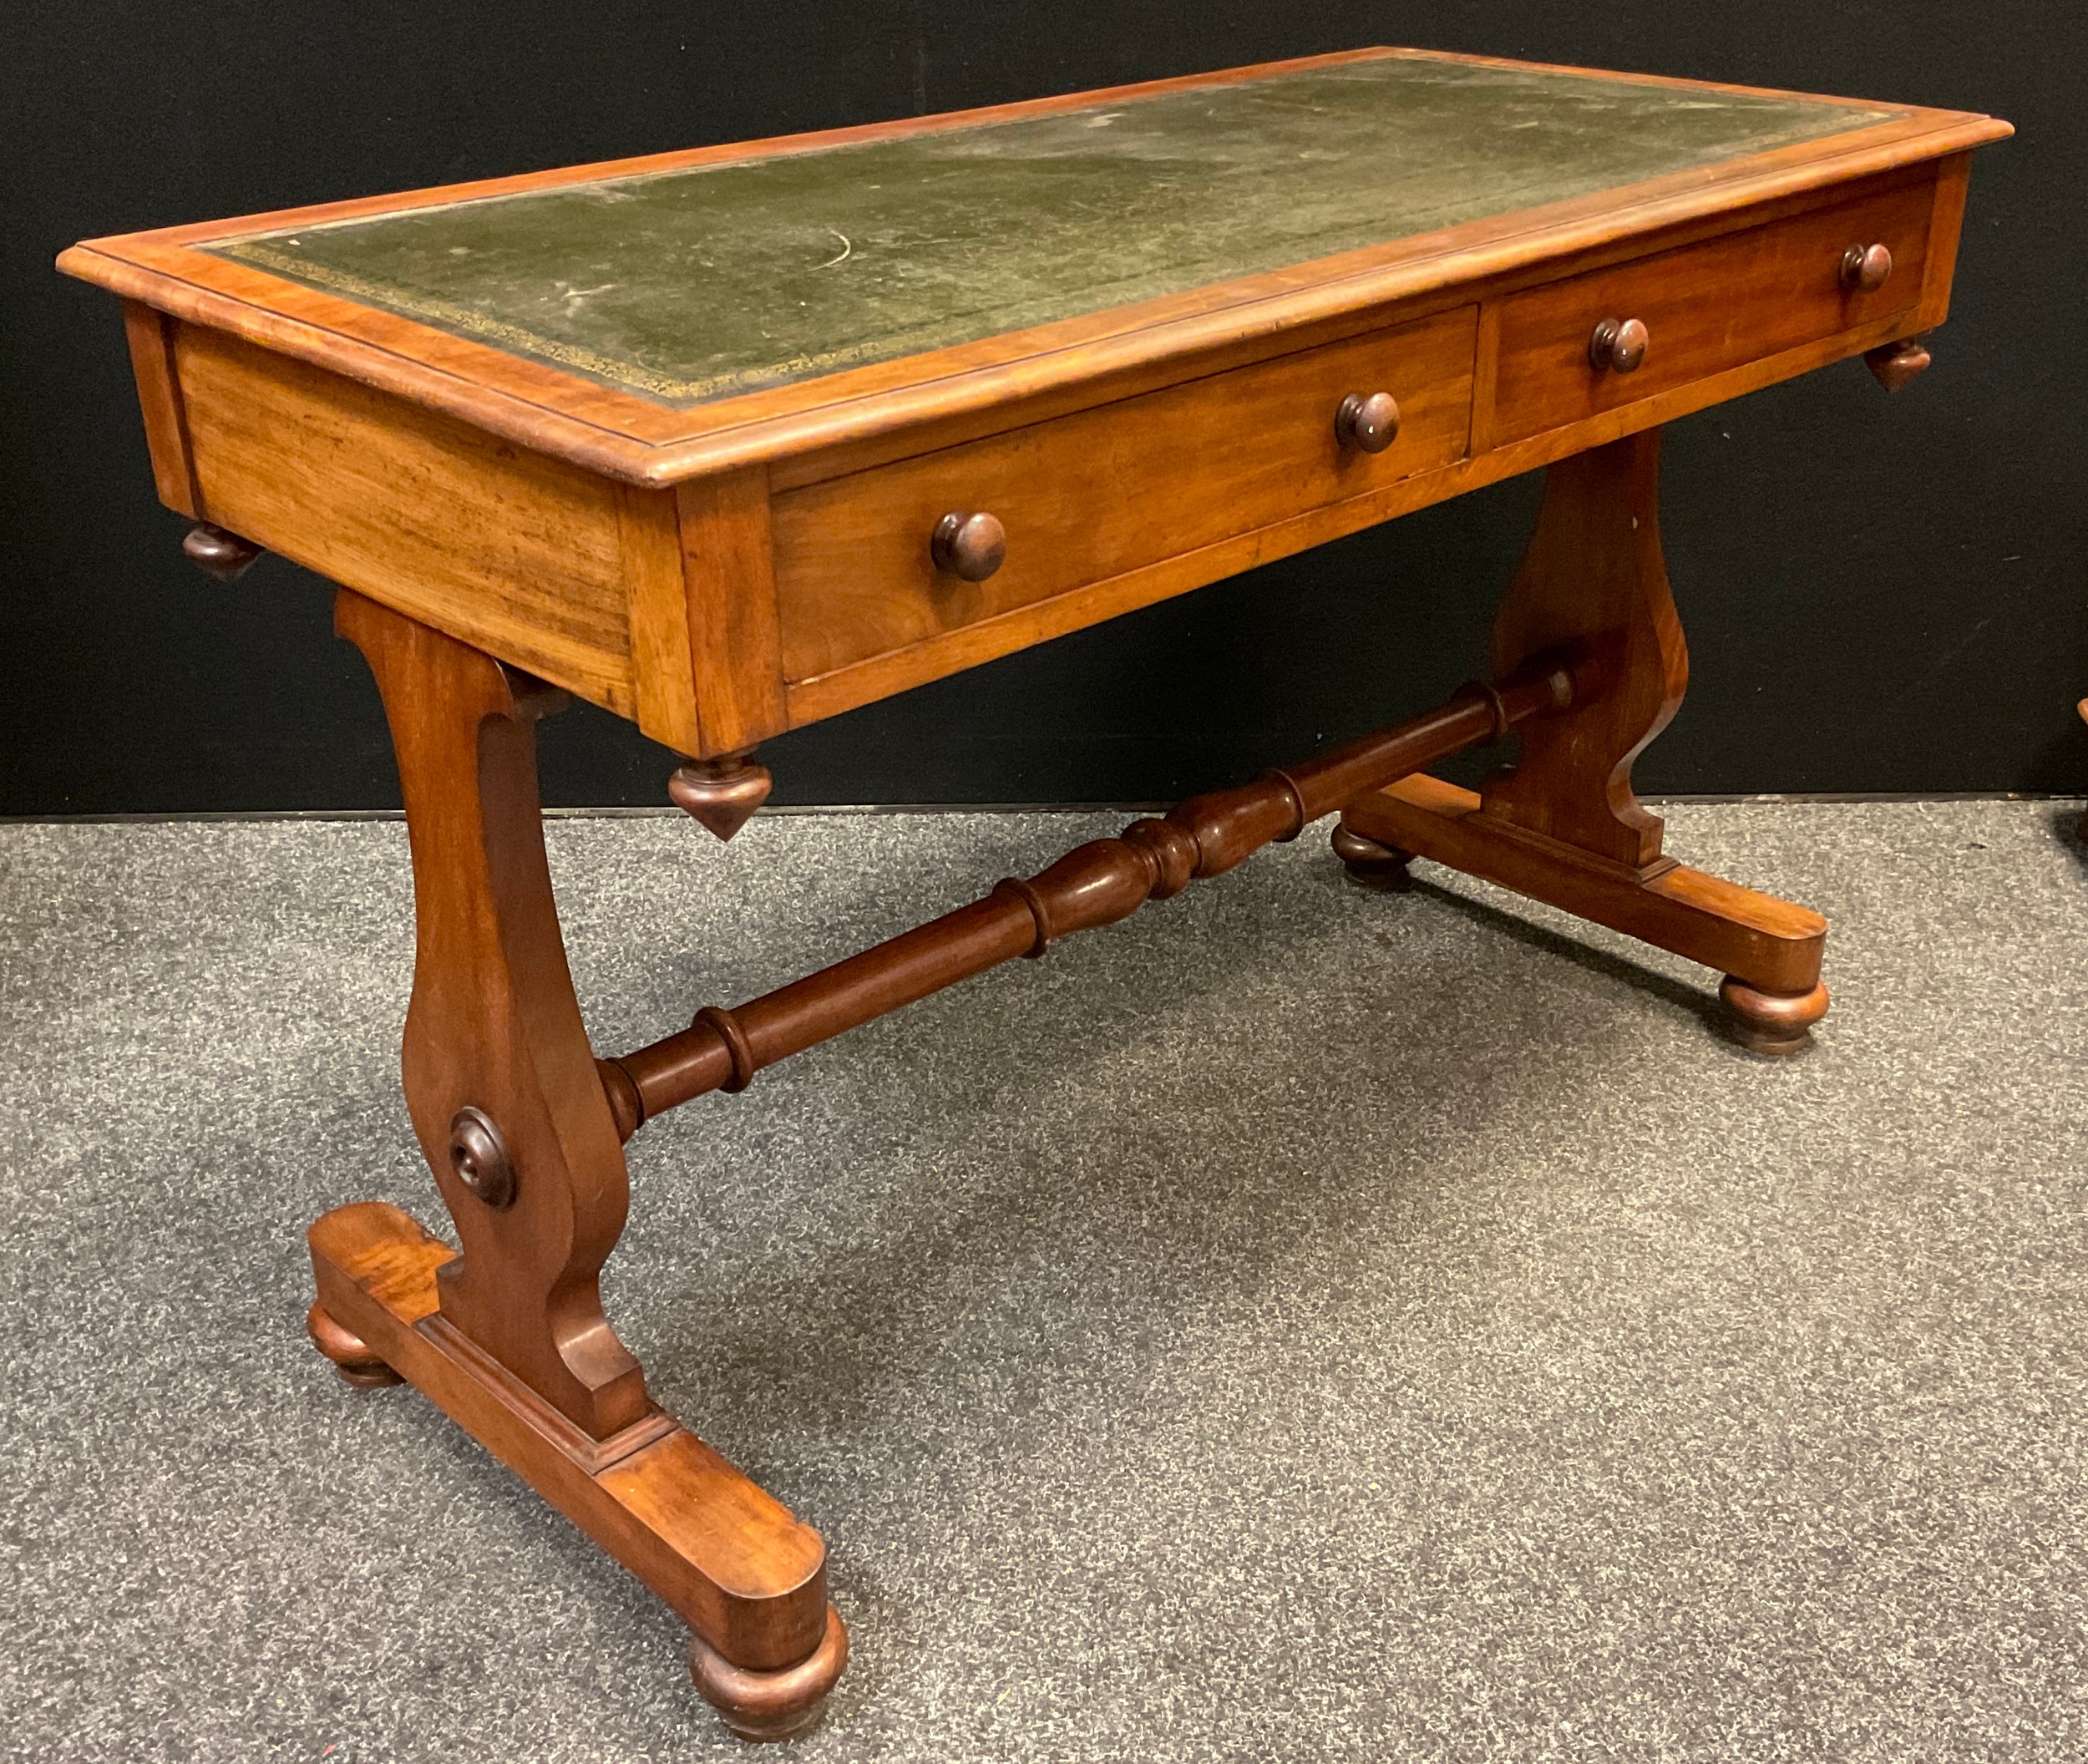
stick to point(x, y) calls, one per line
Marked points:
point(508, 1338)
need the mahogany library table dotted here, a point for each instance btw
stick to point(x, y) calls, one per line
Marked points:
point(730, 440)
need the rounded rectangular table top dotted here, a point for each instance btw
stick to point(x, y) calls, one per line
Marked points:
point(702, 282)
point(671, 317)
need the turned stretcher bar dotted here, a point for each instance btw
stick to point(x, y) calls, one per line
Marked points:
point(1095, 884)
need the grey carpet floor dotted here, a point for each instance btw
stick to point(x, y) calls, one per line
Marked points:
point(1295, 1323)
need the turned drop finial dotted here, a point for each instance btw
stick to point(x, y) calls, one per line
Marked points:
point(723, 794)
point(216, 552)
point(1894, 364)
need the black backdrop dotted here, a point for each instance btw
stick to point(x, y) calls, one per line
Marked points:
point(1881, 595)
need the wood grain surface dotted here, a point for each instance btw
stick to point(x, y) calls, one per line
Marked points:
point(1708, 306)
point(1735, 337)
point(1096, 494)
point(516, 553)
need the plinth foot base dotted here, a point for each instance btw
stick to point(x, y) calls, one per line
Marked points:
point(728, 1558)
point(1768, 950)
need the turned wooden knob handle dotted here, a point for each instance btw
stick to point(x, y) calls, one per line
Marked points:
point(1864, 268)
point(970, 546)
point(1618, 345)
point(1368, 422)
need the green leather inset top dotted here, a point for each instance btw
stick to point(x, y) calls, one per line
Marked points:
point(684, 287)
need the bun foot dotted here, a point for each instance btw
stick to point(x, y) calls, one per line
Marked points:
point(350, 1354)
point(1370, 865)
point(771, 1705)
point(1775, 1024)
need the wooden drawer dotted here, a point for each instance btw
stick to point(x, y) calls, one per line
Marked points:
point(1707, 308)
point(1104, 492)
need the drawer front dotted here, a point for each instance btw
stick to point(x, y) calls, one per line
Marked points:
point(1096, 494)
point(1705, 308)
